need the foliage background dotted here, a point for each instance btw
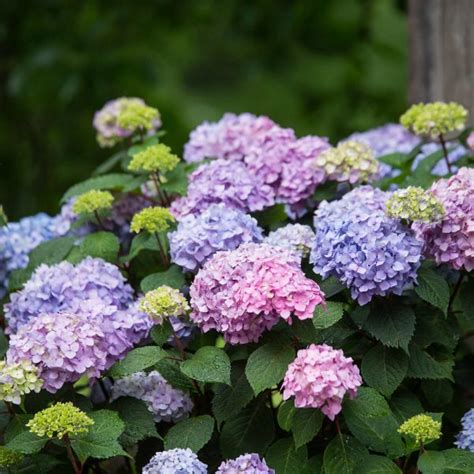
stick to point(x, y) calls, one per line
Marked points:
point(323, 67)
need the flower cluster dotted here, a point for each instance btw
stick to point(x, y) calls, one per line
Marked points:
point(228, 182)
point(320, 377)
point(350, 161)
point(450, 240)
point(175, 461)
point(435, 118)
point(59, 420)
point(244, 292)
point(414, 204)
point(245, 464)
point(18, 379)
point(8, 457)
point(118, 120)
point(360, 245)
point(92, 201)
point(154, 159)
point(217, 228)
point(294, 237)
point(152, 219)
point(163, 302)
point(421, 427)
point(465, 438)
point(165, 402)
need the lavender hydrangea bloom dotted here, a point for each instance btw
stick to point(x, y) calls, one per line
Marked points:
point(93, 283)
point(245, 464)
point(217, 228)
point(297, 238)
point(465, 438)
point(165, 402)
point(175, 461)
point(357, 243)
point(440, 168)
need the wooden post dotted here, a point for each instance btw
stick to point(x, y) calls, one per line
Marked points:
point(442, 52)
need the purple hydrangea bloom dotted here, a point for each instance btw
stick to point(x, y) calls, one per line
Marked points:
point(175, 461)
point(229, 182)
point(165, 402)
point(217, 228)
point(359, 244)
point(245, 464)
point(297, 238)
point(465, 438)
point(440, 168)
point(93, 284)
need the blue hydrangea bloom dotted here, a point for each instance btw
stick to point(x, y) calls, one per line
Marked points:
point(175, 461)
point(369, 252)
point(297, 238)
point(219, 227)
point(465, 438)
point(245, 464)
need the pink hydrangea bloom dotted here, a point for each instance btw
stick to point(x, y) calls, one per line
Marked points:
point(320, 377)
point(451, 240)
point(244, 292)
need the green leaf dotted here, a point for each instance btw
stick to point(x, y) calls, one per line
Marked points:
point(267, 365)
point(331, 286)
point(306, 424)
point(208, 364)
point(39, 464)
point(438, 392)
point(384, 368)
point(433, 288)
point(371, 421)
point(251, 431)
point(451, 461)
point(325, 191)
point(161, 332)
point(285, 458)
point(171, 371)
point(19, 438)
point(176, 181)
point(139, 422)
point(137, 360)
point(50, 252)
point(101, 441)
point(272, 217)
point(229, 400)
point(393, 325)
point(404, 405)
point(110, 163)
point(424, 366)
point(343, 454)
point(172, 277)
point(193, 433)
point(3, 343)
point(103, 245)
point(285, 415)
point(325, 317)
point(377, 465)
point(142, 241)
point(396, 160)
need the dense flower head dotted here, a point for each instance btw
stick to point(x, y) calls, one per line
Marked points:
point(320, 377)
point(246, 291)
point(18, 379)
point(165, 402)
point(92, 201)
point(218, 227)
point(245, 464)
point(8, 457)
point(451, 240)
point(135, 116)
point(109, 131)
point(152, 219)
point(470, 141)
point(435, 118)
point(154, 159)
point(228, 182)
point(465, 438)
point(350, 161)
point(175, 461)
point(359, 244)
point(294, 237)
point(414, 204)
point(59, 420)
point(421, 427)
point(163, 302)
point(92, 285)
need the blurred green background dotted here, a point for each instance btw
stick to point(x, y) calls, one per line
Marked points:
point(325, 67)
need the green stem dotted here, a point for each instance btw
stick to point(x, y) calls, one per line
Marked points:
point(455, 292)
point(77, 469)
point(163, 254)
point(445, 153)
point(99, 220)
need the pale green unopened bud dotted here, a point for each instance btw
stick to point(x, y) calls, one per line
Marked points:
point(154, 159)
point(164, 302)
point(92, 201)
point(423, 428)
point(135, 116)
point(152, 219)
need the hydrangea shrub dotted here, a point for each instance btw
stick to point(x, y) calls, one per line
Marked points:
point(269, 304)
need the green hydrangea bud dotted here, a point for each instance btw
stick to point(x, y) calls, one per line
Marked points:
point(8, 457)
point(421, 427)
point(154, 159)
point(350, 161)
point(59, 420)
point(17, 380)
point(92, 201)
point(164, 302)
point(152, 219)
point(414, 204)
point(435, 118)
point(135, 116)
